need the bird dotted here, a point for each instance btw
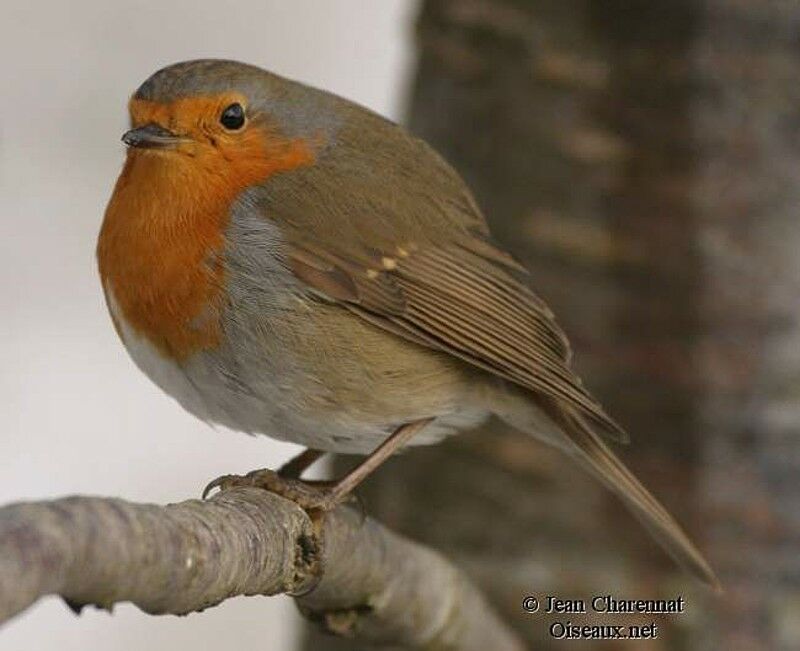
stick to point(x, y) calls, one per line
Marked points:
point(283, 261)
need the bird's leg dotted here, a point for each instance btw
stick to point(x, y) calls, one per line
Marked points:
point(311, 495)
point(296, 466)
point(347, 484)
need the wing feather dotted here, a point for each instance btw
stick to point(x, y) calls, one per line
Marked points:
point(453, 299)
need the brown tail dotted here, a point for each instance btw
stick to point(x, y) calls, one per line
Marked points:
point(595, 456)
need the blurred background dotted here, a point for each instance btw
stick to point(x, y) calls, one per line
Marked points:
point(640, 157)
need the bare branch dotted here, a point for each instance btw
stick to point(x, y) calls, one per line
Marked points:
point(351, 575)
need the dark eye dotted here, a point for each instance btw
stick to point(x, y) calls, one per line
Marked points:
point(232, 117)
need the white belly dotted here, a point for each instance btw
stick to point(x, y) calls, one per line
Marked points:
point(166, 373)
point(199, 385)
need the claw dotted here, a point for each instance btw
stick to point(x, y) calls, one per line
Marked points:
point(308, 495)
point(219, 482)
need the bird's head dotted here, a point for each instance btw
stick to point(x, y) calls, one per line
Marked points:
point(226, 116)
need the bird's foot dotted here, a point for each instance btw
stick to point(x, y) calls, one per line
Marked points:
point(308, 495)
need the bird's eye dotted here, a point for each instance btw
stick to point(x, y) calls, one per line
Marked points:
point(232, 117)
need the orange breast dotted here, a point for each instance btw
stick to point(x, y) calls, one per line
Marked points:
point(163, 233)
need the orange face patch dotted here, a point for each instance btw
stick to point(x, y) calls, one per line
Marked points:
point(163, 231)
point(254, 151)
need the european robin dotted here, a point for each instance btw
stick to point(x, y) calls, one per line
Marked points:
point(283, 261)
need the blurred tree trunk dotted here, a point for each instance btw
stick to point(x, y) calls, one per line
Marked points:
point(642, 159)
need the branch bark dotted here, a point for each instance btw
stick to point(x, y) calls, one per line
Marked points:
point(349, 574)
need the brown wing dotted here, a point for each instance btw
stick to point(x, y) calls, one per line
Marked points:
point(461, 297)
point(384, 226)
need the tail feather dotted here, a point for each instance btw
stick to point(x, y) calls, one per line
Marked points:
point(559, 426)
point(595, 456)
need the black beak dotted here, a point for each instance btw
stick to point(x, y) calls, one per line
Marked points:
point(150, 136)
